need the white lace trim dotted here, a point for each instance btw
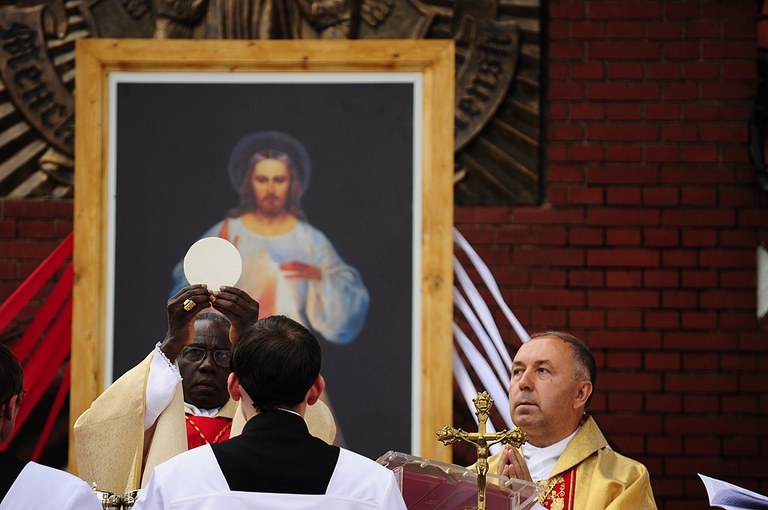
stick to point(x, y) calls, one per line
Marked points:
point(172, 366)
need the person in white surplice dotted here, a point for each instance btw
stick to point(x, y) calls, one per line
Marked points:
point(275, 463)
point(29, 485)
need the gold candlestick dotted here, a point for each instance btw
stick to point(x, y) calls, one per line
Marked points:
point(482, 440)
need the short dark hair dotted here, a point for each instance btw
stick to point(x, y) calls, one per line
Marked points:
point(11, 375)
point(276, 361)
point(586, 368)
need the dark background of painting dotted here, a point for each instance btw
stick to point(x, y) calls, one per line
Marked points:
point(173, 146)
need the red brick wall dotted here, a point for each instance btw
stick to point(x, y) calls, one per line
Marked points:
point(29, 231)
point(646, 245)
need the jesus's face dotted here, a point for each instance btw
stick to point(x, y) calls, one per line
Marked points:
point(271, 183)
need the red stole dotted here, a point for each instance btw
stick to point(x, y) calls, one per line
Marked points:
point(559, 491)
point(224, 233)
point(202, 430)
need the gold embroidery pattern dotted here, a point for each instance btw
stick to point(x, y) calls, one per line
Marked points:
point(216, 439)
point(552, 495)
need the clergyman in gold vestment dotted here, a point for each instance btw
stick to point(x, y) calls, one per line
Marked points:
point(144, 418)
point(553, 376)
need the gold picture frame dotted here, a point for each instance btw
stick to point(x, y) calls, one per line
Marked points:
point(433, 60)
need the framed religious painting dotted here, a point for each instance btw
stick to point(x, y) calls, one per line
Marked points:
point(165, 135)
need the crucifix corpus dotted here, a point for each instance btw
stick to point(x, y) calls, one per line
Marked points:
point(482, 440)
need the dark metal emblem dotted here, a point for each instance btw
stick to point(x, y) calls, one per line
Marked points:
point(497, 119)
point(33, 84)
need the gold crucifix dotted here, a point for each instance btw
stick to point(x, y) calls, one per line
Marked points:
point(482, 440)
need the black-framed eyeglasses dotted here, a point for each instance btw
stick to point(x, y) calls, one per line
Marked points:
point(192, 354)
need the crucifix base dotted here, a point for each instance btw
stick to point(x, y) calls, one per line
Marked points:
point(430, 485)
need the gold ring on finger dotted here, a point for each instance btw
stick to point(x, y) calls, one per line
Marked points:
point(188, 305)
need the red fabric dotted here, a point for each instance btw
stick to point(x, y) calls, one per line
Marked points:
point(44, 363)
point(209, 430)
point(49, 334)
point(564, 491)
point(224, 230)
point(224, 234)
point(61, 394)
point(50, 309)
point(34, 282)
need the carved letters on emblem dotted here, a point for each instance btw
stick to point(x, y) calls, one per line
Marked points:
point(33, 69)
point(36, 90)
point(478, 98)
point(485, 76)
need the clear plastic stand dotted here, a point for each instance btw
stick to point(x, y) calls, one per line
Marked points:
point(431, 485)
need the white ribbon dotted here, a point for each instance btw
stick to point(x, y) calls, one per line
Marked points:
point(493, 365)
point(480, 366)
point(490, 282)
point(469, 392)
point(461, 304)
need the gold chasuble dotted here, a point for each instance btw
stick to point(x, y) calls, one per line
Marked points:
point(113, 450)
point(589, 475)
